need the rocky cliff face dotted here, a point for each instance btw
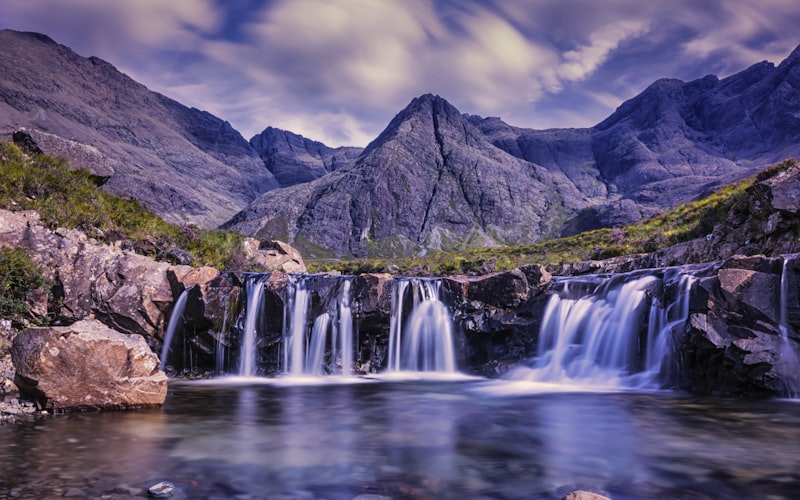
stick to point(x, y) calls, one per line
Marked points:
point(182, 163)
point(430, 180)
point(293, 159)
point(672, 143)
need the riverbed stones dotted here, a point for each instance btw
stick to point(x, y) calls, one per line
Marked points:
point(86, 366)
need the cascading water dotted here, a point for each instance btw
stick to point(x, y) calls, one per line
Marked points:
point(175, 320)
point(789, 361)
point(332, 332)
point(424, 341)
point(599, 337)
point(295, 326)
point(254, 288)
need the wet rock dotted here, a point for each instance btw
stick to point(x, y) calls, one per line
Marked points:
point(733, 344)
point(506, 289)
point(87, 366)
point(164, 489)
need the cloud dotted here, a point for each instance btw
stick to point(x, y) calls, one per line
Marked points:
point(338, 71)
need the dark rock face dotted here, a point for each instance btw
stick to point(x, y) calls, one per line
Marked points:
point(733, 344)
point(87, 366)
point(430, 180)
point(293, 159)
point(184, 164)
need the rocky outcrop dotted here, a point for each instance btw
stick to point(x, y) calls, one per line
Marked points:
point(87, 366)
point(76, 154)
point(742, 334)
point(182, 163)
point(273, 255)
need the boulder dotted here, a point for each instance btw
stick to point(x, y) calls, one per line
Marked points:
point(86, 366)
point(506, 289)
point(733, 344)
point(131, 293)
point(273, 255)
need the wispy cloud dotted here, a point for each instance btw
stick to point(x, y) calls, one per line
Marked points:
point(338, 71)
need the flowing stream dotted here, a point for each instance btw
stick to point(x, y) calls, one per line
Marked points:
point(405, 440)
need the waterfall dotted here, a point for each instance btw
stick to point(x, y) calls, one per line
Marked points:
point(174, 320)
point(254, 288)
point(344, 334)
point(294, 335)
point(600, 337)
point(316, 348)
point(331, 332)
point(424, 341)
point(788, 360)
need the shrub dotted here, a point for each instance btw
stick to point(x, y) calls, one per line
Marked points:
point(19, 276)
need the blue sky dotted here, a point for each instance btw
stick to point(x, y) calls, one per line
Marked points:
point(338, 71)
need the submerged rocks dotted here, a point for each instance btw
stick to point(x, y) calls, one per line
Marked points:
point(87, 366)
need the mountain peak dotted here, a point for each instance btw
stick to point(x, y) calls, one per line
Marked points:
point(793, 58)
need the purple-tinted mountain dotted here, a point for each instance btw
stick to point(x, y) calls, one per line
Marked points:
point(293, 159)
point(185, 164)
point(434, 178)
point(430, 180)
point(672, 143)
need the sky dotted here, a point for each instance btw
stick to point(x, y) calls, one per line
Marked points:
point(337, 71)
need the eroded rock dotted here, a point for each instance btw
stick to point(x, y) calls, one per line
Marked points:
point(87, 366)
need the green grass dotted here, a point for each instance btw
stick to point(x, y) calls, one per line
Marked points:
point(19, 276)
point(682, 223)
point(71, 199)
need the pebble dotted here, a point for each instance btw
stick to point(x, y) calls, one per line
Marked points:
point(164, 489)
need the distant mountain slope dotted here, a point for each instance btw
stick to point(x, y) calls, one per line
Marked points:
point(438, 179)
point(185, 164)
point(433, 179)
point(293, 159)
point(430, 180)
point(673, 142)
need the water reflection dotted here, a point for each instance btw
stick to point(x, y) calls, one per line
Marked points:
point(411, 440)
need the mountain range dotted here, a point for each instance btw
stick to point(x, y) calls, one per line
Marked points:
point(435, 178)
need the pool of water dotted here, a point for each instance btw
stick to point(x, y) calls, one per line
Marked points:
point(410, 439)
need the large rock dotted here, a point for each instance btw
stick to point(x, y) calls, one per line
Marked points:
point(87, 366)
point(130, 292)
point(273, 255)
point(734, 343)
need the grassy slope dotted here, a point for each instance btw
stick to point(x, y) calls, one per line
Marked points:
point(682, 223)
point(72, 199)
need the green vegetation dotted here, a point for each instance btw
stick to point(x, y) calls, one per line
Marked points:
point(683, 223)
point(72, 199)
point(19, 276)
